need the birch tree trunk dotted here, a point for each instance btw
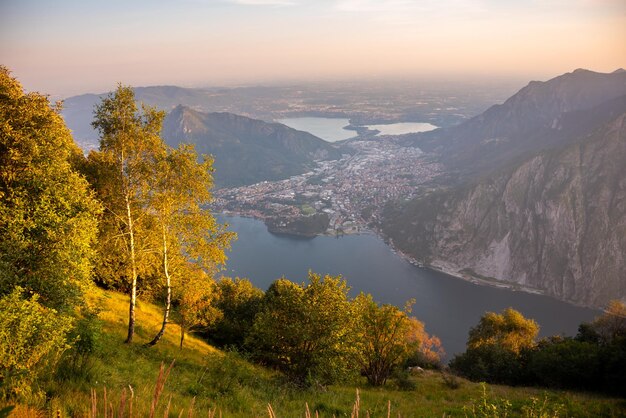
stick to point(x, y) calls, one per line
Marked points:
point(133, 262)
point(168, 283)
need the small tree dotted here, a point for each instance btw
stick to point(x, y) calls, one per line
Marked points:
point(496, 347)
point(307, 331)
point(611, 325)
point(239, 302)
point(195, 296)
point(388, 338)
point(509, 330)
point(187, 229)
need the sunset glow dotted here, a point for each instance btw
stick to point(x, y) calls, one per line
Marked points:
point(69, 47)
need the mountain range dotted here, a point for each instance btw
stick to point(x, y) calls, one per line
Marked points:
point(534, 118)
point(540, 197)
point(246, 150)
point(78, 110)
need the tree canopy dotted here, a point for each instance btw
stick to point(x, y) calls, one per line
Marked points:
point(388, 337)
point(129, 144)
point(48, 215)
point(306, 330)
point(509, 330)
point(48, 224)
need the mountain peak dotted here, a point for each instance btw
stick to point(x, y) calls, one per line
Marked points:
point(519, 125)
point(246, 150)
point(619, 71)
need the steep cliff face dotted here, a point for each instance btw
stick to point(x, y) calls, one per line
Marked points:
point(246, 150)
point(555, 221)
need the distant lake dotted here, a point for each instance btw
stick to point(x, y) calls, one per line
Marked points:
point(402, 128)
point(447, 305)
point(332, 129)
point(329, 129)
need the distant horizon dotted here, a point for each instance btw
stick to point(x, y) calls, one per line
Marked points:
point(72, 47)
point(451, 81)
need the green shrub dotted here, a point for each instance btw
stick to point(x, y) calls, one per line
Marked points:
point(238, 301)
point(490, 363)
point(32, 339)
point(78, 362)
point(306, 331)
point(565, 362)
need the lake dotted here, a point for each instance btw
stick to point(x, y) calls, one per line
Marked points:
point(329, 129)
point(402, 128)
point(447, 305)
point(332, 129)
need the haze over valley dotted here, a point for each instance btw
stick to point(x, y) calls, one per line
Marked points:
point(313, 208)
point(371, 182)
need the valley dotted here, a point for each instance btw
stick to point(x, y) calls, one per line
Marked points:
point(350, 192)
point(289, 208)
point(527, 211)
point(464, 198)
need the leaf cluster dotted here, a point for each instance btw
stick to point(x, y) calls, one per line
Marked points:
point(595, 359)
point(32, 339)
point(48, 215)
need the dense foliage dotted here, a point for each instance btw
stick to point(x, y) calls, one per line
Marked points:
point(388, 338)
point(316, 333)
point(305, 330)
point(595, 359)
point(32, 339)
point(239, 302)
point(47, 213)
point(48, 224)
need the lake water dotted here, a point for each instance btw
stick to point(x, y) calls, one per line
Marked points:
point(447, 305)
point(332, 129)
point(402, 128)
point(329, 129)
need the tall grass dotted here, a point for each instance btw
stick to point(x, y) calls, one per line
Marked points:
point(208, 382)
point(484, 407)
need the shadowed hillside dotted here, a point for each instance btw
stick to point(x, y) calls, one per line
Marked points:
point(246, 150)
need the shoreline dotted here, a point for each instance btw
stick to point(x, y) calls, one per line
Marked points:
point(440, 266)
point(361, 231)
point(447, 268)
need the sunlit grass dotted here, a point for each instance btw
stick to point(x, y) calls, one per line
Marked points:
point(223, 382)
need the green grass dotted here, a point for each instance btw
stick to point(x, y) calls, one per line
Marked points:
point(307, 209)
point(227, 383)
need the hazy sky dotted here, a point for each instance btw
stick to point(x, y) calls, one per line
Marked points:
point(69, 47)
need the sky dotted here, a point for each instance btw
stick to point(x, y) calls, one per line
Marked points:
point(68, 47)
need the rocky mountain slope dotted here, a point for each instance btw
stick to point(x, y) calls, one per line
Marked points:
point(553, 220)
point(529, 121)
point(246, 150)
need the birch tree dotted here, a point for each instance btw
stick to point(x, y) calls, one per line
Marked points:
point(188, 231)
point(129, 141)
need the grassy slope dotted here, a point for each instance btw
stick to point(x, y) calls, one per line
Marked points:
point(240, 389)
